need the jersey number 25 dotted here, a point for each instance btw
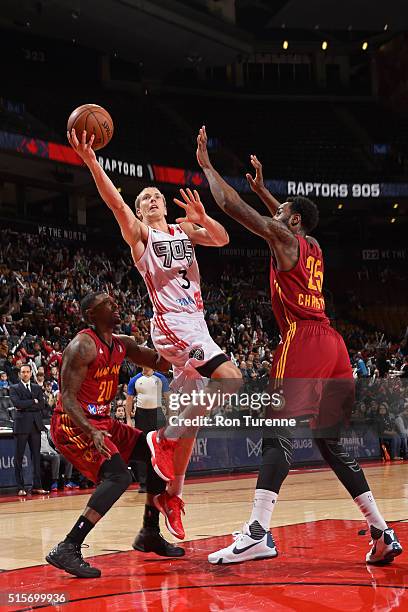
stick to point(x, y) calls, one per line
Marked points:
point(316, 275)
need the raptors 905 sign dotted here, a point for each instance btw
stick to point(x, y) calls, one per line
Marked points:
point(334, 190)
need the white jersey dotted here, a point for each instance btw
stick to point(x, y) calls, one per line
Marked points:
point(170, 271)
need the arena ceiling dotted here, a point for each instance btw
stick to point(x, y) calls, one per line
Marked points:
point(159, 33)
point(184, 31)
point(363, 15)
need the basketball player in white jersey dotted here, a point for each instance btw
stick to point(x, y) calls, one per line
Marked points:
point(164, 255)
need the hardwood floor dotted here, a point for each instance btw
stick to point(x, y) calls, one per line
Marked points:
point(30, 527)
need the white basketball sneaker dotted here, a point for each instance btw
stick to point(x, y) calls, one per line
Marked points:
point(253, 542)
point(385, 547)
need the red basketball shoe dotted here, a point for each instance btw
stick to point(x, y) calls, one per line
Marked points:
point(162, 450)
point(171, 506)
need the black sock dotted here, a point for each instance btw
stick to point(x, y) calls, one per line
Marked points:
point(80, 530)
point(151, 517)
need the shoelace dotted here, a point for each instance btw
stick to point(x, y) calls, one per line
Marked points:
point(181, 504)
point(78, 551)
point(178, 502)
point(238, 535)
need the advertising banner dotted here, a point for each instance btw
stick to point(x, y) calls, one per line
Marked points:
point(7, 479)
point(242, 448)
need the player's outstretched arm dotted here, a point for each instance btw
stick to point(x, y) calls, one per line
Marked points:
point(258, 186)
point(78, 355)
point(231, 203)
point(133, 230)
point(144, 356)
point(211, 233)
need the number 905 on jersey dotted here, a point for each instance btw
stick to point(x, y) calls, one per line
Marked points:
point(176, 250)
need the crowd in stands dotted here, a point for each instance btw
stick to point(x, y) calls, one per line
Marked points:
point(43, 281)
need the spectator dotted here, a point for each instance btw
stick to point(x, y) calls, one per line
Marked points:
point(50, 398)
point(48, 453)
point(27, 398)
point(120, 414)
point(404, 368)
point(14, 376)
point(4, 383)
point(401, 425)
point(54, 379)
point(9, 367)
point(4, 347)
point(362, 371)
point(382, 363)
point(388, 435)
point(39, 379)
point(5, 328)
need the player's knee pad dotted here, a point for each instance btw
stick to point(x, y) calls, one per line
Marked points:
point(346, 468)
point(115, 479)
point(116, 470)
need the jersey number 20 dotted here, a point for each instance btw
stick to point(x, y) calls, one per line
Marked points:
point(105, 390)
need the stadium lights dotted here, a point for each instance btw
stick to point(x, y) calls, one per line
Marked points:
point(364, 46)
point(324, 45)
point(285, 44)
point(395, 205)
point(393, 220)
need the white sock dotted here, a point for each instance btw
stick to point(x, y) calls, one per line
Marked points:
point(175, 487)
point(368, 507)
point(264, 504)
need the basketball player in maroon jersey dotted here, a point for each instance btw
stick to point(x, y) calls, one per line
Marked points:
point(311, 350)
point(97, 445)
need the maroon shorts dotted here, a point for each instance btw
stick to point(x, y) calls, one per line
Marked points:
point(79, 449)
point(311, 369)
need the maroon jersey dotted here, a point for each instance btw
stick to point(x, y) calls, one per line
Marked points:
point(297, 294)
point(101, 382)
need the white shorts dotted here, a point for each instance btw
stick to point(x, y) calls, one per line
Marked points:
point(184, 340)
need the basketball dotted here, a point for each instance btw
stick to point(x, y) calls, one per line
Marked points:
point(95, 120)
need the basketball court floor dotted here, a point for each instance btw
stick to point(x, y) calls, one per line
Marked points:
point(321, 538)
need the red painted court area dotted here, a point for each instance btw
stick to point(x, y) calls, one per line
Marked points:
point(320, 567)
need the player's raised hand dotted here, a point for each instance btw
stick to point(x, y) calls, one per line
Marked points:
point(82, 147)
point(195, 211)
point(202, 152)
point(257, 183)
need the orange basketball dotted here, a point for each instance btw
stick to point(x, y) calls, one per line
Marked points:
point(95, 120)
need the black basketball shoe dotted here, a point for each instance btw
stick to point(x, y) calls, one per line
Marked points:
point(151, 540)
point(68, 557)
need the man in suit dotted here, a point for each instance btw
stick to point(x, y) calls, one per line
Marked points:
point(28, 399)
